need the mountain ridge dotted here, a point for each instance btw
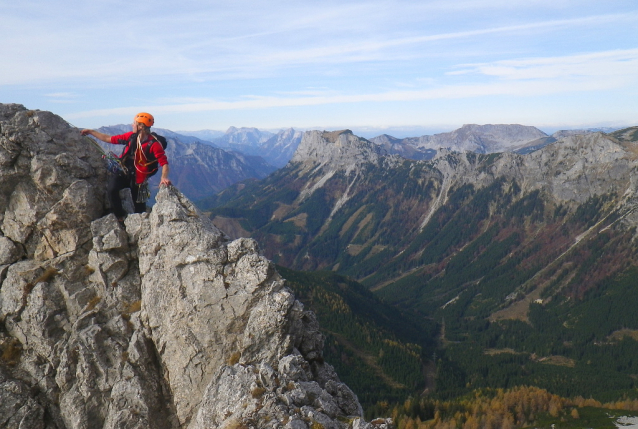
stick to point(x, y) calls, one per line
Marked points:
point(505, 251)
point(279, 148)
point(481, 138)
point(573, 171)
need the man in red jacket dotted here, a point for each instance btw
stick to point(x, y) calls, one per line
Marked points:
point(142, 154)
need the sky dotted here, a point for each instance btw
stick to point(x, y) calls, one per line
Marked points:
point(408, 67)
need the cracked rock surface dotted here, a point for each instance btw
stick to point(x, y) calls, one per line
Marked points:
point(159, 323)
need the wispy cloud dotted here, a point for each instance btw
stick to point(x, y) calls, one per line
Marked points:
point(62, 97)
point(197, 53)
point(525, 77)
point(386, 49)
point(243, 56)
point(618, 64)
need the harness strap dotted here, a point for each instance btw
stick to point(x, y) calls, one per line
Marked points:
point(143, 155)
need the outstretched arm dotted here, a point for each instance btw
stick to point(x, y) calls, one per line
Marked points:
point(98, 135)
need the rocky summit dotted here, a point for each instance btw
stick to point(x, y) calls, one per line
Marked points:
point(159, 323)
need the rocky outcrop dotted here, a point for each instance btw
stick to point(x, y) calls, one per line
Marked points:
point(45, 175)
point(337, 149)
point(159, 323)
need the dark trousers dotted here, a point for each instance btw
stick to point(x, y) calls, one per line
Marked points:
point(116, 183)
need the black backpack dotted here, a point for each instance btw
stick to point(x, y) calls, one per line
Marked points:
point(152, 166)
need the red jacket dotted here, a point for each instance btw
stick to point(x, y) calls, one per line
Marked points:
point(149, 146)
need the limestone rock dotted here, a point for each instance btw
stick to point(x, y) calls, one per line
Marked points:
point(161, 323)
point(210, 303)
point(49, 176)
point(9, 251)
point(18, 406)
point(338, 149)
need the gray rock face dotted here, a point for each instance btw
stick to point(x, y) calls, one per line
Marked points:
point(573, 169)
point(338, 149)
point(161, 323)
point(405, 148)
point(46, 172)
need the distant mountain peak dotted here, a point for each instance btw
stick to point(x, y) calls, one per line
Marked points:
point(488, 138)
point(339, 149)
point(232, 130)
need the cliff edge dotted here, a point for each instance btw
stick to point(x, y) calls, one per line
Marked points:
point(161, 323)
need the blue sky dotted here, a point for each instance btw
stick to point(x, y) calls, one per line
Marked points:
point(364, 65)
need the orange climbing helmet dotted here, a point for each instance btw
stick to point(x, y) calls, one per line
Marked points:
point(145, 118)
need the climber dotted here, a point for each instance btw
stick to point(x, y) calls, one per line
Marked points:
point(138, 162)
